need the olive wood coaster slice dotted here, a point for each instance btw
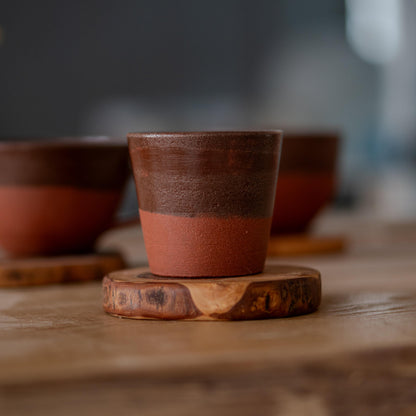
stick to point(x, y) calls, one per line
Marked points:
point(58, 269)
point(304, 244)
point(279, 291)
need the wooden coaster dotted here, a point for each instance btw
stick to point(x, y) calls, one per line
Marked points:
point(47, 270)
point(277, 292)
point(304, 244)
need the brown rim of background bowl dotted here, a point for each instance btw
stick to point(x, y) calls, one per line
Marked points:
point(97, 162)
point(310, 152)
point(38, 142)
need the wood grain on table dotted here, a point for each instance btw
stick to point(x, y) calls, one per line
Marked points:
point(61, 354)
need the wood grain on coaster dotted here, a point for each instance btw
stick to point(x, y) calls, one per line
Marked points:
point(277, 292)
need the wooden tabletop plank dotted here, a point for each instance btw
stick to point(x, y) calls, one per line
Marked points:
point(365, 305)
point(58, 349)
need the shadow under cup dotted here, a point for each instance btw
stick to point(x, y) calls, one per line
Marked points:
point(206, 200)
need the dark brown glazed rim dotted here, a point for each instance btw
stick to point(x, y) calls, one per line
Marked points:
point(206, 133)
point(192, 135)
point(84, 162)
point(215, 173)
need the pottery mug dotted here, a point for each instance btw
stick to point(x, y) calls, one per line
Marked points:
point(58, 195)
point(307, 179)
point(206, 200)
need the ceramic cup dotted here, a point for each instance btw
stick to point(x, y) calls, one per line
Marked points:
point(58, 195)
point(205, 199)
point(307, 178)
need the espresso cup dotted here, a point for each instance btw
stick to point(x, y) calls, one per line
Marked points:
point(206, 200)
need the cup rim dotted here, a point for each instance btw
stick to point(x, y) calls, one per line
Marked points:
point(185, 134)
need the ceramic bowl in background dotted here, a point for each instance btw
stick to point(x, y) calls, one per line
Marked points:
point(307, 178)
point(58, 195)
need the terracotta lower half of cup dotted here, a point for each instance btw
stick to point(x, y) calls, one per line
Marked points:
point(220, 246)
point(53, 219)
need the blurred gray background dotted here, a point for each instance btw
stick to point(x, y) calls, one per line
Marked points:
point(108, 67)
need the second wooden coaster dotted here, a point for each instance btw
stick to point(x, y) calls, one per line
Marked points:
point(58, 269)
point(279, 291)
point(304, 244)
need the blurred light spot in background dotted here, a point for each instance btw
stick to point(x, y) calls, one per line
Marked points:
point(373, 29)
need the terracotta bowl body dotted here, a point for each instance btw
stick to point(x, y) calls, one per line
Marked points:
point(58, 195)
point(205, 200)
point(306, 183)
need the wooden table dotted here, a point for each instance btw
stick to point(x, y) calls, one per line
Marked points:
point(60, 354)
